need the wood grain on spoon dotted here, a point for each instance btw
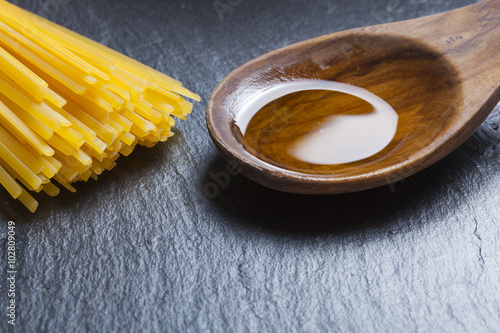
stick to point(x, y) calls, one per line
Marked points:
point(440, 74)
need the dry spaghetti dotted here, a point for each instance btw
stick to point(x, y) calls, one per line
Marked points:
point(69, 107)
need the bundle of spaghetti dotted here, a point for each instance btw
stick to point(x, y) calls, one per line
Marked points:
point(69, 107)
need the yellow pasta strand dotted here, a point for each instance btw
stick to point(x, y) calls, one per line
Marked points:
point(10, 159)
point(28, 201)
point(10, 183)
point(69, 107)
point(31, 83)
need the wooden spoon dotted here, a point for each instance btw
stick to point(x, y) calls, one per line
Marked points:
point(440, 74)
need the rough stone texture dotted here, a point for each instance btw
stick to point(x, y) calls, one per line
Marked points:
point(144, 250)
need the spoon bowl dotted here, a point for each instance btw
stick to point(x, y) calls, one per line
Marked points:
point(437, 73)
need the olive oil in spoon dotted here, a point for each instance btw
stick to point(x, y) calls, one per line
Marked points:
point(307, 125)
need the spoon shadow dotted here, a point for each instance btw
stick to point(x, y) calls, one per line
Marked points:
point(417, 199)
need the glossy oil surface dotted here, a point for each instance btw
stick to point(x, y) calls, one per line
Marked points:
point(308, 125)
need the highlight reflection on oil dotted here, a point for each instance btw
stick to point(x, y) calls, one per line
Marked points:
point(310, 124)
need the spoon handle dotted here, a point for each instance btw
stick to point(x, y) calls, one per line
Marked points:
point(470, 38)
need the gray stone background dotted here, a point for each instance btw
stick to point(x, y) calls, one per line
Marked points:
point(144, 250)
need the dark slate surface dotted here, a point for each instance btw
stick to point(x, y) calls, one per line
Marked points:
point(144, 250)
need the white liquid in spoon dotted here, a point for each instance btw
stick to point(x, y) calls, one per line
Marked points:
point(339, 138)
